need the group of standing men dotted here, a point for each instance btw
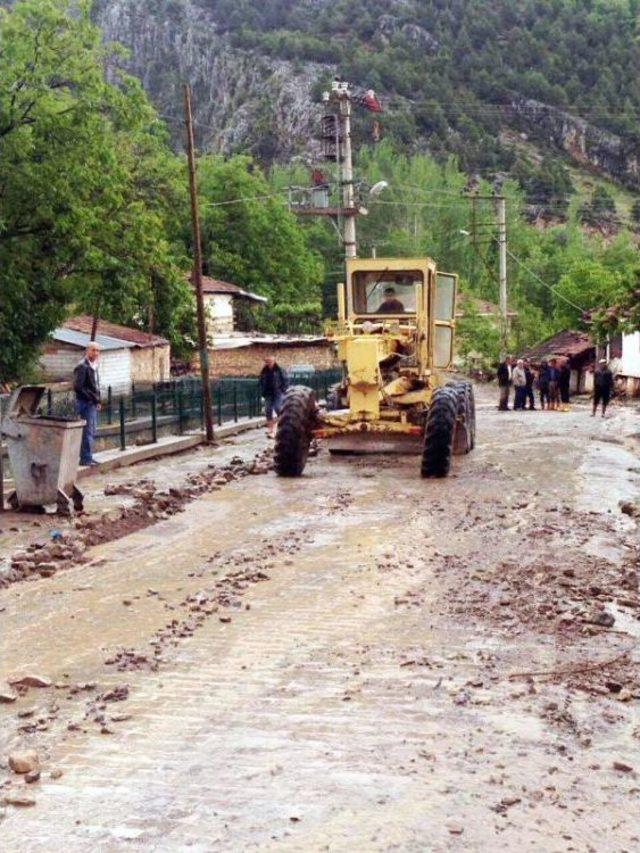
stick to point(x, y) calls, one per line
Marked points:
point(553, 382)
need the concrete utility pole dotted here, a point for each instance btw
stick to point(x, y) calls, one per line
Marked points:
point(501, 211)
point(197, 269)
point(474, 235)
point(348, 196)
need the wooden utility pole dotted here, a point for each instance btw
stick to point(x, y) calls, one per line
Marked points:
point(197, 270)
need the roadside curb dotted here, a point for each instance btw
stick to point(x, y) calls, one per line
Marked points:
point(110, 460)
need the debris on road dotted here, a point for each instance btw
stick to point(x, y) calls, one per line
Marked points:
point(24, 762)
point(150, 506)
point(29, 681)
point(440, 639)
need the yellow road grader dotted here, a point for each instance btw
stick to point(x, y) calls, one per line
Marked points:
point(395, 332)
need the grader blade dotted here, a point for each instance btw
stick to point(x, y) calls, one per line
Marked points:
point(371, 442)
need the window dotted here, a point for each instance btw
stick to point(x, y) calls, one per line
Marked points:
point(445, 296)
point(386, 292)
point(443, 346)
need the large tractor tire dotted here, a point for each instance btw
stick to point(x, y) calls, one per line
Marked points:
point(438, 433)
point(472, 415)
point(296, 421)
point(464, 437)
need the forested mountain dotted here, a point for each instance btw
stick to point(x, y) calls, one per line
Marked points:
point(93, 202)
point(452, 73)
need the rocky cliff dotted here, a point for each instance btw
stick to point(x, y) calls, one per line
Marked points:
point(589, 146)
point(243, 101)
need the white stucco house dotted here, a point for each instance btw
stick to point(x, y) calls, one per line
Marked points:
point(127, 355)
point(628, 365)
point(219, 297)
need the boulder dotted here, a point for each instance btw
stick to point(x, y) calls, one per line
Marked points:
point(26, 761)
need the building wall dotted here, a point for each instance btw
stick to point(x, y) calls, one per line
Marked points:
point(219, 309)
point(58, 361)
point(151, 364)
point(630, 361)
point(249, 360)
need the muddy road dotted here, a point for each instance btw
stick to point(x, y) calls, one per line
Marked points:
point(355, 660)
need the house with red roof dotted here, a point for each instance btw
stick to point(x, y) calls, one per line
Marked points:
point(127, 355)
point(220, 299)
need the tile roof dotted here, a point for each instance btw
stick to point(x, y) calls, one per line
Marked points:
point(215, 285)
point(135, 337)
point(566, 343)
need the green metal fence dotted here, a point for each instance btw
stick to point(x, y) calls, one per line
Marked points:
point(177, 406)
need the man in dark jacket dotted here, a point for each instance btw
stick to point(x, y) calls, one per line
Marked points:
point(564, 385)
point(504, 382)
point(602, 387)
point(554, 385)
point(391, 304)
point(528, 372)
point(543, 384)
point(86, 384)
point(273, 384)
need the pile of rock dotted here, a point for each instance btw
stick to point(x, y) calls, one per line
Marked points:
point(42, 559)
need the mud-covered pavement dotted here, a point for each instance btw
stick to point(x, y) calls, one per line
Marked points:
point(356, 660)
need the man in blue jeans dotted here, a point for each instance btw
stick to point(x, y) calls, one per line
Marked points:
point(86, 384)
point(273, 384)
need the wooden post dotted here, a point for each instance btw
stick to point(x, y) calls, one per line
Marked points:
point(197, 269)
point(123, 429)
point(154, 415)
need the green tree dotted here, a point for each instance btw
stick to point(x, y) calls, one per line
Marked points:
point(601, 209)
point(250, 238)
point(586, 286)
point(88, 183)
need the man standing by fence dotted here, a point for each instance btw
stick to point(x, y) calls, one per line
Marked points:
point(86, 385)
point(273, 384)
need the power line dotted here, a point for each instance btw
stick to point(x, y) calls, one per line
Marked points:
point(544, 283)
point(246, 198)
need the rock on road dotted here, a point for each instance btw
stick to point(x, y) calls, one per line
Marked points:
point(355, 660)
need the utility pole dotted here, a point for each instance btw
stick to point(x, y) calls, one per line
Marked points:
point(474, 235)
point(197, 270)
point(501, 211)
point(348, 197)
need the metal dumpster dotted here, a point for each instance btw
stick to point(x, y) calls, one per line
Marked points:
point(44, 453)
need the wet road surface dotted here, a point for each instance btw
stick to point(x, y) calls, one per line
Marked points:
point(358, 659)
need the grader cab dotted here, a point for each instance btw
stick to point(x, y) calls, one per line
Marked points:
point(395, 332)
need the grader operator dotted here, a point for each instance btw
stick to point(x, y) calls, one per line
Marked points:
point(395, 332)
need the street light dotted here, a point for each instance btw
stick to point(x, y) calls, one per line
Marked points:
point(376, 189)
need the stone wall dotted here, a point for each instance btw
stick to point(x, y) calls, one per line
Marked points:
point(249, 360)
point(151, 364)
